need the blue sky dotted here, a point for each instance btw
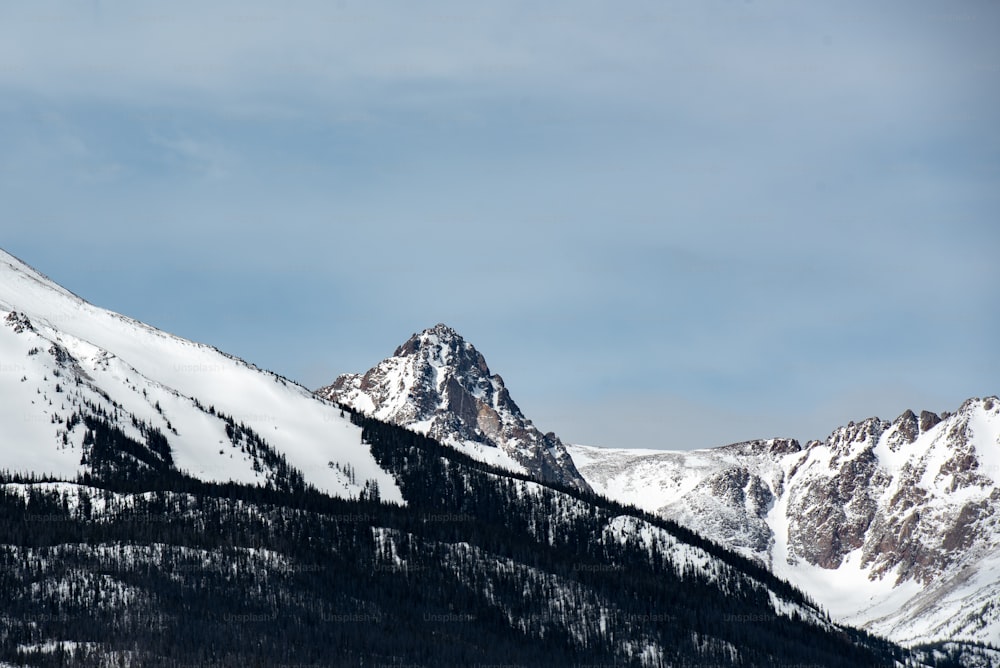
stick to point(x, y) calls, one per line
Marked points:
point(666, 224)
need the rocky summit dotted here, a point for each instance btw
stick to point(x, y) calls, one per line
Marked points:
point(438, 384)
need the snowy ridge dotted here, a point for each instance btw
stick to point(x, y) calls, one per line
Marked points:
point(891, 526)
point(61, 356)
point(438, 384)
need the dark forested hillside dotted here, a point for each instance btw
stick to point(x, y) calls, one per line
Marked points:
point(480, 567)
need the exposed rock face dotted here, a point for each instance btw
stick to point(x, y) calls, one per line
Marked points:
point(439, 384)
point(907, 430)
point(831, 510)
point(907, 505)
point(19, 322)
point(742, 500)
point(928, 420)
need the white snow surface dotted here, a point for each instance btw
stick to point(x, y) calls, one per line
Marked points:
point(140, 367)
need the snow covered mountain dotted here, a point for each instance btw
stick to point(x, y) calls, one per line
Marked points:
point(164, 504)
point(77, 379)
point(892, 526)
point(438, 384)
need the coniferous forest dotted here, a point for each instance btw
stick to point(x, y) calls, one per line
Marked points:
point(141, 565)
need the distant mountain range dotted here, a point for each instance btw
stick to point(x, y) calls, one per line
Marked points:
point(892, 526)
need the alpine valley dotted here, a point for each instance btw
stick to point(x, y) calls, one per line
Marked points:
point(165, 504)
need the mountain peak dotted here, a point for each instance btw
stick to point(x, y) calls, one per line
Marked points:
point(443, 330)
point(441, 342)
point(439, 334)
point(438, 384)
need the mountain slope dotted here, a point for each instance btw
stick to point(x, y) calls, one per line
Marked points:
point(836, 517)
point(439, 385)
point(71, 369)
point(480, 567)
point(893, 526)
point(164, 504)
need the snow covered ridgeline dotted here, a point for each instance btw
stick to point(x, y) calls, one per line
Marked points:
point(892, 526)
point(64, 361)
